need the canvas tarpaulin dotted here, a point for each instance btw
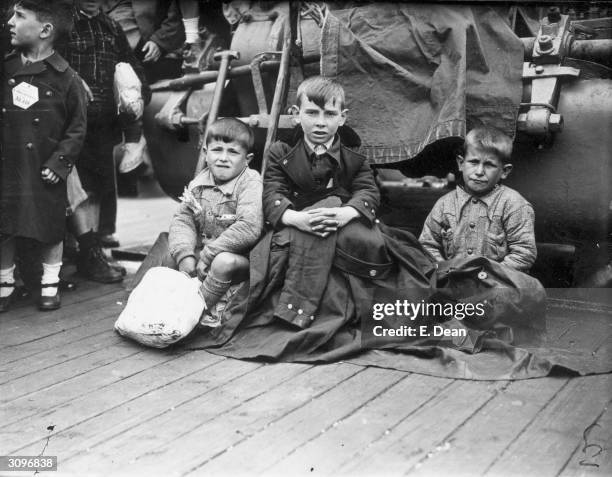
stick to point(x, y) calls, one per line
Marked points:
point(414, 74)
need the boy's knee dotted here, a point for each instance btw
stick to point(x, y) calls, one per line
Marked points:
point(227, 263)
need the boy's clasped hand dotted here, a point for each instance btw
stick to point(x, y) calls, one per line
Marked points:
point(321, 221)
point(48, 176)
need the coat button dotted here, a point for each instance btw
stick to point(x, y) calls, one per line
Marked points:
point(365, 203)
point(36, 121)
point(373, 211)
point(300, 311)
point(373, 273)
point(277, 203)
point(29, 146)
point(376, 221)
point(48, 94)
point(11, 82)
point(470, 251)
point(290, 306)
point(472, 225)
point(312, 318)
point(482, 275)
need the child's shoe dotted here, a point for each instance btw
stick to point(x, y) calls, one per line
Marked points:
point(6, 301)
point(207, 320)
point(49, 303)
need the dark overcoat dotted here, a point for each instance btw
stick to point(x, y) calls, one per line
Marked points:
point(49, 133)
point(289, 183)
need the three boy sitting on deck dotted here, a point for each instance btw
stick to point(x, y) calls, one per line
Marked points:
point(324, 250)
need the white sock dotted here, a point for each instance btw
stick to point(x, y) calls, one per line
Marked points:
point(191, 30)
point(50, 275)
point(7, 275)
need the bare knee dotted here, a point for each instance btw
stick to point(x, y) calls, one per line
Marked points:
point(227, 265)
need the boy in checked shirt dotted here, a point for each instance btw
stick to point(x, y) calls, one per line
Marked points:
point(220, 217)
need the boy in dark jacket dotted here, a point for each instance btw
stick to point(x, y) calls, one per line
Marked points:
point(319, 167)
point(44, 123)
point(321, 199)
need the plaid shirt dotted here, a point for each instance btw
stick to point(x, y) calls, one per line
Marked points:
point(499, 226)
point(93, 49)
point(231, 219)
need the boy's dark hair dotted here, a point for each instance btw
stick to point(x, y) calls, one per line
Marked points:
point(320, 90)
point(489, 139)
point(230, 130)
point(56, 12)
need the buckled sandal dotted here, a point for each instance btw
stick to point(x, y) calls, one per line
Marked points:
point(49, 303)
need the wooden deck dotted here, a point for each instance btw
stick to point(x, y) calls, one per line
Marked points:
point(71, 387)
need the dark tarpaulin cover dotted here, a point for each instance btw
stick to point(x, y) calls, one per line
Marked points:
point(414, 74)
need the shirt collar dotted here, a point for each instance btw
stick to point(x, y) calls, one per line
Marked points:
point(206, 179)
point(55, 61)
point(332, 147)
point(82, 14)
point(463, 196)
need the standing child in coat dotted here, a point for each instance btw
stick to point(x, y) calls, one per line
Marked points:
point(44, 123)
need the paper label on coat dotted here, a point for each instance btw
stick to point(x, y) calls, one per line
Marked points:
point(25, 95)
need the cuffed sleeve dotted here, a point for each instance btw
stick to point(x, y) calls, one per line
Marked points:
point(365, 194)
point(276, 186)
point(65, 155)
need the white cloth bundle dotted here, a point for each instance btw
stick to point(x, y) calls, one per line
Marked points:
point(128, 90)
point(164, 308)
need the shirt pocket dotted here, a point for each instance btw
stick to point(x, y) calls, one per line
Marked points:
point(496, 246)
point(225, 214)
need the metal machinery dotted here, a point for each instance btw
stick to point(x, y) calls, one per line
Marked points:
point(563, 147)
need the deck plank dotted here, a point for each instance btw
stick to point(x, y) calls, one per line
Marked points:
point(577, 329)
point(63, 319)
point(20, 411)
point(86, 291)
point(64, 338)
point(557, 430)
point(222, 419)
point(99, 402)
point(32, 366)
point(593, 456)
point(98, 425)
point(473, 447)
point(414, 437)
point(60, 374)
point(156, 445)
point(349, 437)
point(301, 425)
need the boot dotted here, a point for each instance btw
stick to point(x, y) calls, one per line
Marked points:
point(93, 265)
